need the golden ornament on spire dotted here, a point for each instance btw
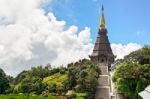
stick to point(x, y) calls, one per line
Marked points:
point(102, 19)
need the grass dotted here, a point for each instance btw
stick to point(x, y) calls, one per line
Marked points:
point(24, 96)
point(57, 79)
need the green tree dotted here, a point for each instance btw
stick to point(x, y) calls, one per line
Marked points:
point(21, 76)
point(83, 76)
point(133, 74)
point(31, 81)
point(4, 82)
point(141, 56)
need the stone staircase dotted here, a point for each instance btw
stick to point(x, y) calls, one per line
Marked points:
point(104, 85)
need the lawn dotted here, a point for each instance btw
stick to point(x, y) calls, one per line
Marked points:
point(24, 96)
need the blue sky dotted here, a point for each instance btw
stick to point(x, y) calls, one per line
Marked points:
point(126, 20)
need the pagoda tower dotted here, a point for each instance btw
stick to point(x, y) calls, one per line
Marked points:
point(102, 53)
point(103, 57)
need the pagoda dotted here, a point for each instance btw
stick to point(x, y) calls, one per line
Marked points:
point(102, 52)
point(103, 57)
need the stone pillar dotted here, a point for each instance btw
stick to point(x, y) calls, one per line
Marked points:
point(103, 88)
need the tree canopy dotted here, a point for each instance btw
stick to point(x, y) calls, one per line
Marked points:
point(4, 82)
point(83, 76)
point(79, 77)
point(133, 74)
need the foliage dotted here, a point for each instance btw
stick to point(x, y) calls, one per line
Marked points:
point(83, 76)
point(4, 82)
point(56, 78)
point(133, 74)
point(31, 81)
point(30, 84)
point(56, 82)
point(38, 71)
point(82, 96)
point(141, 56)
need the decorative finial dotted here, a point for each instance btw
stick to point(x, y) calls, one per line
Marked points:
point(102, 8)
point(102, 19)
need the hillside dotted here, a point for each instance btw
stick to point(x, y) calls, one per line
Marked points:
point(57, 79)
point(78, 79)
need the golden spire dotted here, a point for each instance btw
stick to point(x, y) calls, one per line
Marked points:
point(102, 19)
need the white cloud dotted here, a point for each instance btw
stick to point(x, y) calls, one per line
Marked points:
point(121, 50)
point(28, 37)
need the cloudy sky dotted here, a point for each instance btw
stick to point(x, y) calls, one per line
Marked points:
point(37, 32)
